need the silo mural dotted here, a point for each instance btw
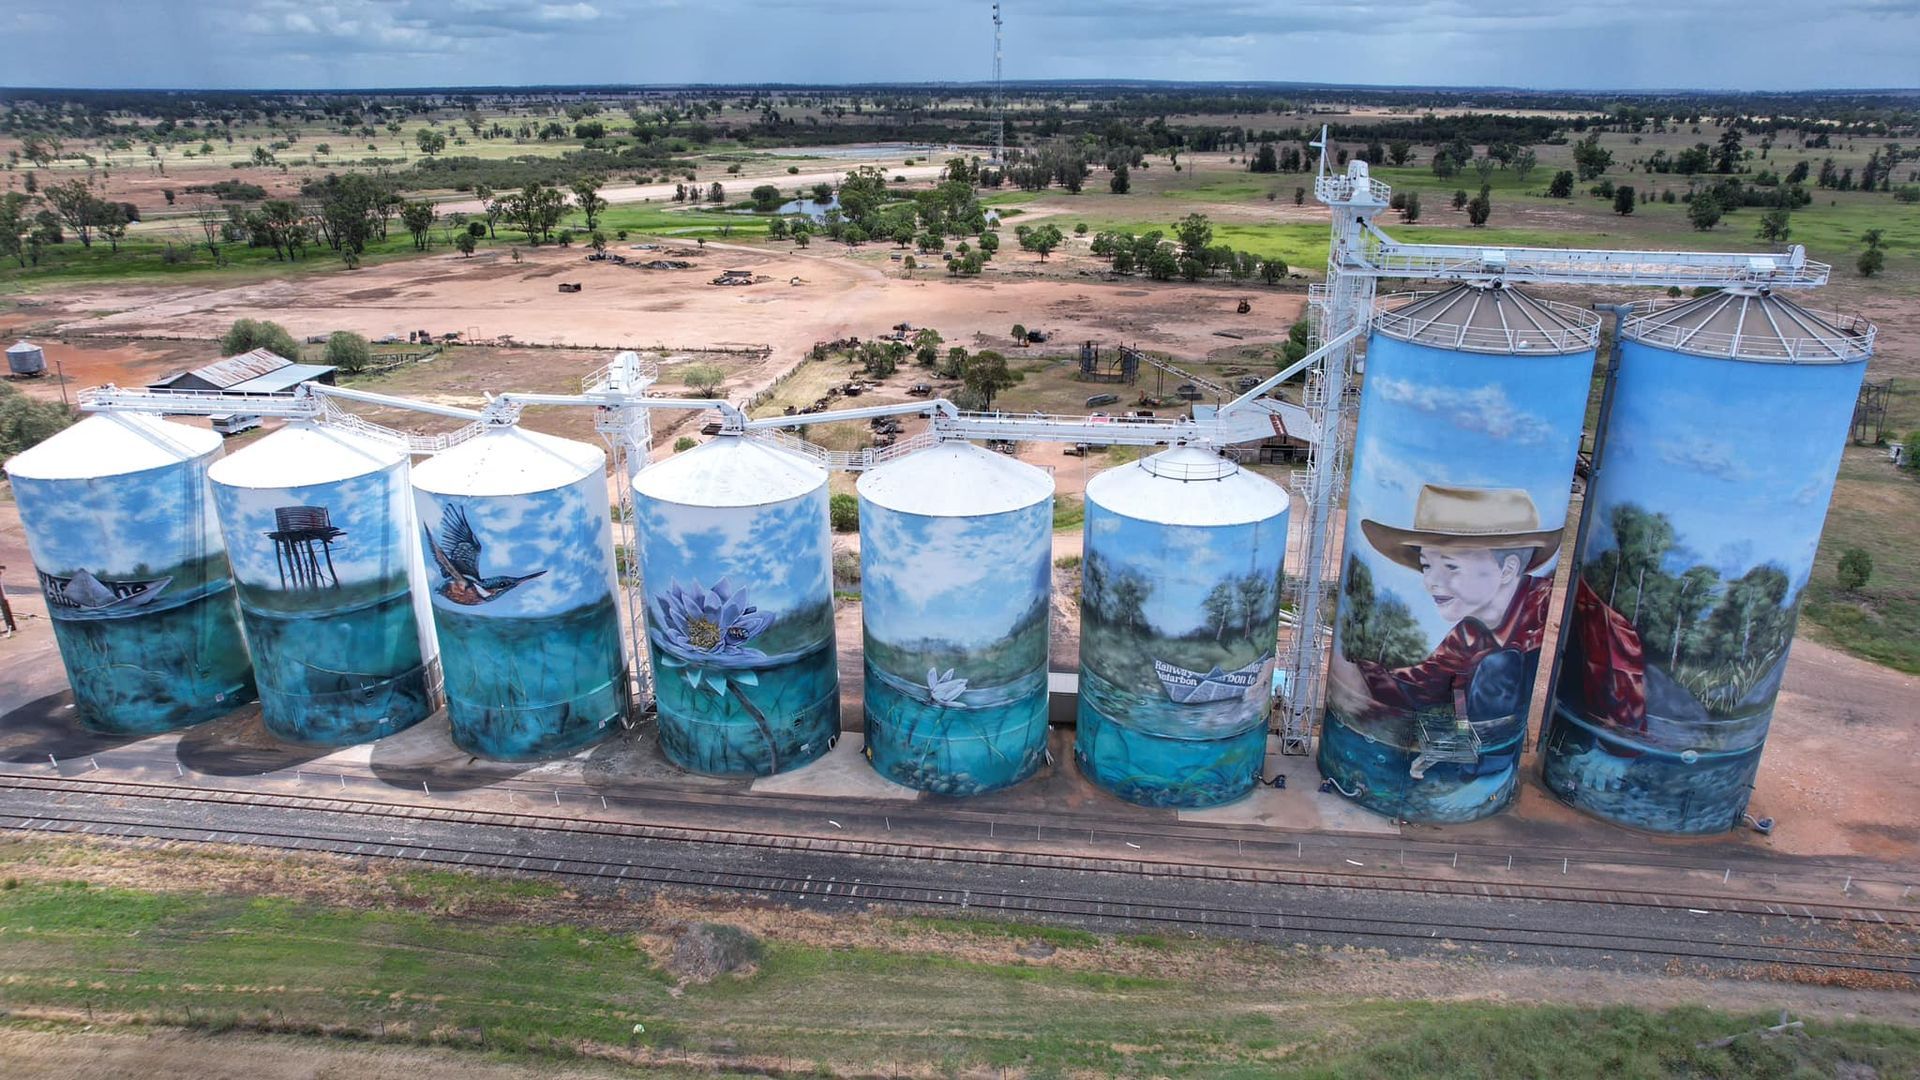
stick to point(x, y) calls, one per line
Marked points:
point(319, 527)
point(736, 558)
point(519, 543)
point(956, 547)
point(119, 520)
point(1470, 420)
point(1729, 417)
point(1178, 624)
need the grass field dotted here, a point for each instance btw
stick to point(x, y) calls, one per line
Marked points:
point(467, 962)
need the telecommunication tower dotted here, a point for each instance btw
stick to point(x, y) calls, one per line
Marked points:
point(999, 98)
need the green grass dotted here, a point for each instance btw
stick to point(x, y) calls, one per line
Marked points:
point(544, 990)
point(1873, 508)
point(1069, 511)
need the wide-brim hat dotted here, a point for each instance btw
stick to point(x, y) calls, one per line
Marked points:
point(1456, 516)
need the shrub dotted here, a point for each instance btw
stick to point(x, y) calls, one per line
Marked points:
point(24, 421)
point(1856, 566)
point(843, 511)
point(684, 443)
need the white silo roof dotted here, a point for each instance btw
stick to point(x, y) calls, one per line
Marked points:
point(113, 444)
point(1187, 485)
point(955, 479)
point(22, 348)
point(508, 461)
point(730, 470)
point(303, 454)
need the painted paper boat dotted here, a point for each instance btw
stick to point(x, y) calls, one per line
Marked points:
point(84, 592)
point(1187, 687)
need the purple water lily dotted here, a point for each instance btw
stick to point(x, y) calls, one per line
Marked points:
point(710, 624)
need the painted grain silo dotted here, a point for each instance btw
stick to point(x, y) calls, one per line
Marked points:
point(519, 544)
point(737, 561)
point(1178, 620)
point(1728, 419)
point(320, 530)
point(956, 572)
point(1470, 422)
point(26, 358)
point(121, 527)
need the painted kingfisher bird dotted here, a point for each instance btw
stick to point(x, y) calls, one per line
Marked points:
point(459, 562)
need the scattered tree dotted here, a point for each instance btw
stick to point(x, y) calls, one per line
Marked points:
point(1623, 200)
point(349, 352)
point(431, 141)
point(1561, 187)
point(1774, 225)
point(246, 335)
point(418, 216)
point(586, 195)
point(1704, 211)
point(985, 374)
point(704, 379)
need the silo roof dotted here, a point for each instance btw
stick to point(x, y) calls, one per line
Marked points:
point(1752, 324)
point(1187, 485)
point(955, 479)
point(22, 347)
point(508, 461)
point(305, 453)
point(1487, 317)
point(729, 470)
point(113, 444)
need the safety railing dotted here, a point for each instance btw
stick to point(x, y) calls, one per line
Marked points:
point(1829, 337)
point(1582, 329)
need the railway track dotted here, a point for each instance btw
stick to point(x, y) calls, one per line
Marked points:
point(1758, 944)
point(1374, 879)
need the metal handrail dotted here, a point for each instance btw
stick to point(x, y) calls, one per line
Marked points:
point(1586, 266)
point(1855, 340)
point(1585, 334)
point(1339, 187)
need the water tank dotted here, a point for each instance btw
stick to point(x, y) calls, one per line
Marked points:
point(735, 554)
point(1178, 619)
point(320, 530)
point(121, 528)
point(1728, 420)
point(520, 556)
point(956, 577)
point(26, 358)
point(1463, 461)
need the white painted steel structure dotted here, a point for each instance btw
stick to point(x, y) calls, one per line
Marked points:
point(1343, 309)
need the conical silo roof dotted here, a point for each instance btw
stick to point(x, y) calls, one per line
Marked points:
point(1752, 324)
point(955, 479)
point(1187, 485)
point(508, 461)
point(304, 454)
point(1488, 317)
point(730, 470)
point(113, 444)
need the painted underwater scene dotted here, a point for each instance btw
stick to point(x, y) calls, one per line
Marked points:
point(524, 608)
point(956, 618)
point(536, 686)
point(140, 597)
point(1177, 635)
point(351, 677)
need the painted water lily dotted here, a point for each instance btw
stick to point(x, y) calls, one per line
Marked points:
point(944, 689)
point(715, 623)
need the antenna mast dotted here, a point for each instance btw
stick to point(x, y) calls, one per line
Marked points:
point(999, 98)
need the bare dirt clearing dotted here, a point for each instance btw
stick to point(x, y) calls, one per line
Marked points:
point(494, 298)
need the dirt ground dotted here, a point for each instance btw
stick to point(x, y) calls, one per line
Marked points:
point(493, 298)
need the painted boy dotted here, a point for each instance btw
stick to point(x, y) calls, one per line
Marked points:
point(1476, 550)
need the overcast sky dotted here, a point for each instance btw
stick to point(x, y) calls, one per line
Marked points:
point(1714, 44)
